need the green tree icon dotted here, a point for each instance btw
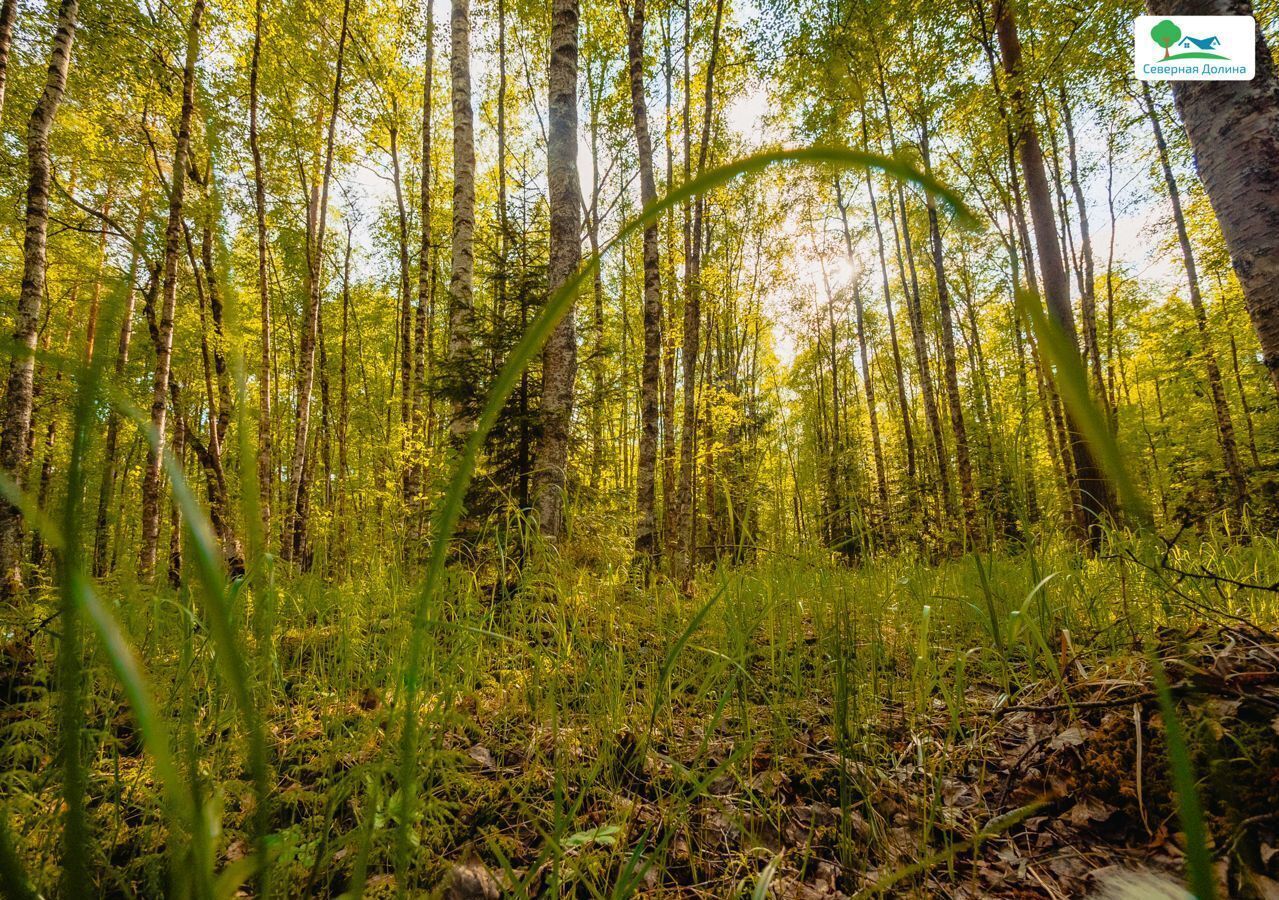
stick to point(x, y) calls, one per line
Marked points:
point(1166, 33)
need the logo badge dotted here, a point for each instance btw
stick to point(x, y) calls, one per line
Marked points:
point(1195, 48)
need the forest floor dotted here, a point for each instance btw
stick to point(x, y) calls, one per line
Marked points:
point(988, 727)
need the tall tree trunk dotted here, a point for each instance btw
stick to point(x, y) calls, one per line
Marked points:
point(597, 322)
point(685, 527)
point(919, 339)
point(266, 464)
point(461, 298)
point(222, 376)
point(175, 513)
point(1234, 129)
point(908, 431)
point(914, 306)
point(211, 457)
point(15, 429)
point(425, 267)
point(840, 526)
point(963, 455)
point(8, 13)
point(646, 538)
point(153, 480)
point(1112, 395)
point(504, 256)
point(45, 480)
point(296, 522)
point(1093, 502)
point(110, 447)
point(1023, 399)
point(343, 402)
point(559, 357)
point(406, 301)
point(1221, 409)
point(1243, 400)
point(91, 326)
point(881, 478)
point(1088, 278)
point(669, 447)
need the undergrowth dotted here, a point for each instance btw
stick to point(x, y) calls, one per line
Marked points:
point(585, 735)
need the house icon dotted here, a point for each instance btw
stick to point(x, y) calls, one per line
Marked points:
point(1211, 42)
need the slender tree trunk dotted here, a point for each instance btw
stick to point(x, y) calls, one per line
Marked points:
point(343, 402)
point(325, 435)
point(297, 513)
point(881, 477)
point(110, 447)
point(963, 454)
point(223, 524)
point(646, 539)
point(406, 301)
point(425, 269)
point(174, 571)
point(1088, 279)
point(461, 298)
point(1023, 399)
point(597, 323)
point(266, 464)
point(51, 430)
point(559, 357)
point(16, 427)
point(1234, 130)
point(503, 272)
point(1221, 409)
point(222, 377)
point(1093, 502)
point(153, 480)
point(685, 527)
point(8, 13)
point(669, 448)
point(919, 341)
point(95, 301)
point(908, 432)
point(1112, 403)
point(914, 308)
point(841, 530)
point(1243, 400)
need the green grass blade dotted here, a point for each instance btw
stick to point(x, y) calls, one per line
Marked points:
point(993, 828)
point(1203, 880)
point(766, 879)
point(70, 662)
point(1072, 383)
point(212, 577)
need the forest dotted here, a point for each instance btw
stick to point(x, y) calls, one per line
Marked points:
point(664, 448)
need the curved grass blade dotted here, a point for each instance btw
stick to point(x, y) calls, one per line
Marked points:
point(671, 655)
point(1072, 383)
point(993, 828)
point(132, 677)
point(766, 879)
point(69, 573)
point(1203, 881)
point(450, 509)
point(264, 602)
point(209, 571)
point(77, 595)
point(213, 580)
